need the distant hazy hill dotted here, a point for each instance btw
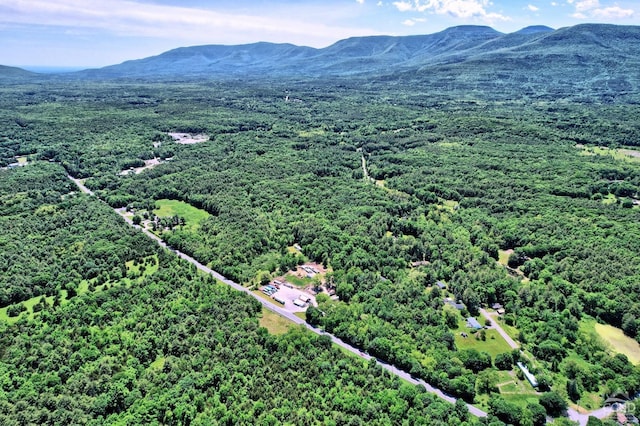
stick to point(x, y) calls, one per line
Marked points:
point(588, 59)
point(14, 73)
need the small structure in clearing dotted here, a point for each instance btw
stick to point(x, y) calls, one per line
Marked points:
point(473, 323)
point(530, 377)
point(188, 138)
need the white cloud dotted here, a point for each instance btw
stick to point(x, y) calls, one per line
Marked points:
point(590, 9)
point(532, 8)
point(614, 12)
point(553, 3)
point(403, 6)
point(409, 22)
point(181, 23)
point(380, 3)
point(584, 5)
point(360, 1)
point(456, 8)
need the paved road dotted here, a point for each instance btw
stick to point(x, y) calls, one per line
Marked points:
point(289, 315)
point(495, 325)
point(574, 415)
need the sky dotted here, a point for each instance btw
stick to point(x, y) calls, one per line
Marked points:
point(95, 33)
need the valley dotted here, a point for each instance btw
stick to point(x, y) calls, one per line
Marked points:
point(464, 227)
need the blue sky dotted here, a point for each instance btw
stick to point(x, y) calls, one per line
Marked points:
point(94, 33)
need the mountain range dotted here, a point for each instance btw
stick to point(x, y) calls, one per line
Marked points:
point(587, 57)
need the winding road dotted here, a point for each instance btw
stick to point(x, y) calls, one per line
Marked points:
point(288, 315)
point(574, 415)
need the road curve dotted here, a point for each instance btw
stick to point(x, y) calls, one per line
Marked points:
point(290, 316)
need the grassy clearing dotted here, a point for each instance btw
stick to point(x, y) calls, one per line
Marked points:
point(21, 160)
point(493, 345)
point(275, 323)
point(192, 215)
point(298, 281)
point(522, 397)
point(613, 338)
point(301, 315)
point(148, 268)
point(618, 342)
point(503, 256)
point(310, 133)
point(621, 154)
point(449, 205)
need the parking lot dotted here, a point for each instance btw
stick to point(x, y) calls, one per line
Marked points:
point(288, 295)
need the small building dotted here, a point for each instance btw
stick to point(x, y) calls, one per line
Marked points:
point(458, 305)
point(500, 311)
point(621, 418)
point(441, 285)
point(530, 377)
point(496, 306)
point(473, 323)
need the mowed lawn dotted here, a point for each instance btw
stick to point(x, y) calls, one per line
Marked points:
point(493, 345)
point(192, 215)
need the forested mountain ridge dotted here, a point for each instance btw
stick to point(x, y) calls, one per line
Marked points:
point(384, 55)
point(585, 62)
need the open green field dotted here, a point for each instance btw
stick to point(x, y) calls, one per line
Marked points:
point(618, 342)
point(613, 338)
point(297, 281)
point(503, 257)
point(192, 215)
point(493, 345)
point(275, 323)
point(622, 154)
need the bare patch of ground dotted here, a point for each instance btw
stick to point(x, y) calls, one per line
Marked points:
point(631, 152)
point(148, 164)
point(188, 138)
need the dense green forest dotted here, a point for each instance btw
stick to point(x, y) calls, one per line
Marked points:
point(166, 345)
point(451, 182)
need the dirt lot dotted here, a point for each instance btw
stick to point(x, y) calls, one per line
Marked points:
point(148, 164)
point(300, 271)
point(187, 138)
